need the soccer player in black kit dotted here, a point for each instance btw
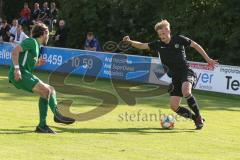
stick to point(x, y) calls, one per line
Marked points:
point(172, 54)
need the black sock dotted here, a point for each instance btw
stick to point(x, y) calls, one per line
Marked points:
point(192, 103)
point(186, 113)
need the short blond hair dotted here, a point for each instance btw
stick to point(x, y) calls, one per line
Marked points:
point(161, 24)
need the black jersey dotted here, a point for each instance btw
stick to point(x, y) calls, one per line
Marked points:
point(173, 54)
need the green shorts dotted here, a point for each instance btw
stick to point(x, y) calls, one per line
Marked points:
point(27, 82)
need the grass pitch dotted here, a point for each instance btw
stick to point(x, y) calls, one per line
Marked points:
point(115, 135)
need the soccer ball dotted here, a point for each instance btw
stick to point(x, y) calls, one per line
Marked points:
point(167, 122)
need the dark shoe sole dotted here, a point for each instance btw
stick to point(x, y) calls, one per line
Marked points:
point(40, 130)
point(199, 127)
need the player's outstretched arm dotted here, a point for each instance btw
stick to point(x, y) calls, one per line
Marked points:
point(200, 50)
point(136, 44)
point(15, 56)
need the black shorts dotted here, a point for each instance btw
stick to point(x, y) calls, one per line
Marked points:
point(175, 89)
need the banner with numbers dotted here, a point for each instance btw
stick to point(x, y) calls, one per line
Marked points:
point(223, 78)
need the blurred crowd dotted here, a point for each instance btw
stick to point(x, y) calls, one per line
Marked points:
point(19, 28)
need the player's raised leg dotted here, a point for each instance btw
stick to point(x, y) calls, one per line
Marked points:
point(192, 103)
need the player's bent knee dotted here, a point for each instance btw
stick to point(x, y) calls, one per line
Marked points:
point(41, 89)
point(52, 90)
point(186, 92)
point(46, 92)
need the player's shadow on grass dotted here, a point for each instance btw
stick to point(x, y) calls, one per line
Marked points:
point(143, 131)
point(122, 130)
point(15, 131)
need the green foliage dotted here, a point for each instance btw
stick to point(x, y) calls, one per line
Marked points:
point(11, 9)
point(212, 23)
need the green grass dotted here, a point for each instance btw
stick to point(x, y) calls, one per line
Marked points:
point(110, 137)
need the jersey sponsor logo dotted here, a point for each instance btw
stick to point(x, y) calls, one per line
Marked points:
point(163, 47)
point(176, 45)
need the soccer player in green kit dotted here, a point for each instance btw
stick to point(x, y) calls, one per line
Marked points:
point(24, 58)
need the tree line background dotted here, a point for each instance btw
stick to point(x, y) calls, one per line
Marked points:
point(215, 24)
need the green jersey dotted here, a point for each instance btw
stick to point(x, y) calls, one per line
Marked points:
point(29, 56)
point(27, 61)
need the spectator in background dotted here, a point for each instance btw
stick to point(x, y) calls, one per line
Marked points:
point(60, 36)
point(4, 32)
point(53, 15)
point(25, 14)
point(20, 35)
point(45, 14)
point(91, 43)
point(35, 14)
point(13, 30)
